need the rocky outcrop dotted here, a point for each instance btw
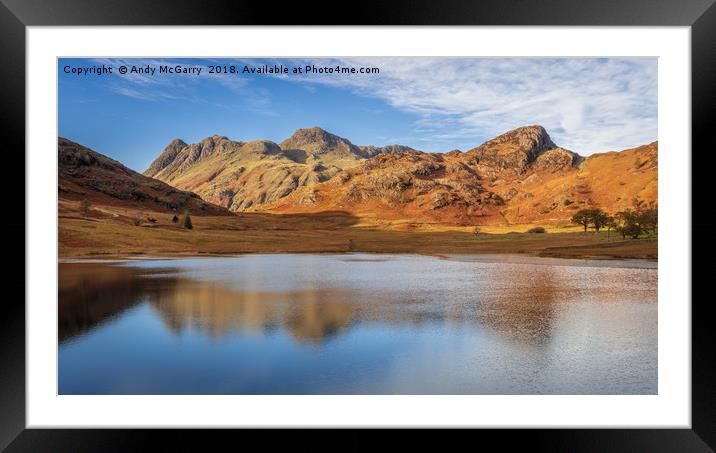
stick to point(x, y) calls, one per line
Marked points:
point(370, 151)
point(556, 159)
point(512, 151)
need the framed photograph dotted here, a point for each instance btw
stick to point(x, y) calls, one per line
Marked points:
point(464, 217)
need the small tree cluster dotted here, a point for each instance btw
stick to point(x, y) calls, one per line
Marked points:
point(641, 218)
point(633, 222)
point(596, 218)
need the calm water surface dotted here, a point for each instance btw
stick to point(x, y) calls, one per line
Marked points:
point(356, 323)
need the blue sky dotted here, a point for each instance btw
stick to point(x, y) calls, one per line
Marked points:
point(434, 104)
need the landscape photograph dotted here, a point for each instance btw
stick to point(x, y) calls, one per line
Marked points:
point(332, 226)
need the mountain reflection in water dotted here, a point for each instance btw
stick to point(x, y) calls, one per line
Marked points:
point(88, 299)
point(523, 309)
point(404, 315)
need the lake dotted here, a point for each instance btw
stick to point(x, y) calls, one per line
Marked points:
point(358, 324)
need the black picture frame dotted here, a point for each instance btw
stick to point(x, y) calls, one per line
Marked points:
point(16, 15)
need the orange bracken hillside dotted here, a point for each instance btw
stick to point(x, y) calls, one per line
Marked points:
point(520, 177)
point(607, 180)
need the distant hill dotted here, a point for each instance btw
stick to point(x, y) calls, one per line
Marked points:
point(84, 174)
point(245, 175)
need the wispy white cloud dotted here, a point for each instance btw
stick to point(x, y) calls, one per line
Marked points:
point(587, 104)
point(155, 87)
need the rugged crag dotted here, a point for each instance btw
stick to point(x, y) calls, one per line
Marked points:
point(513, 151)
point(245, 175)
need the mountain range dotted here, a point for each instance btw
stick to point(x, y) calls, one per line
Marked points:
point(521, 176)
point(243, 175)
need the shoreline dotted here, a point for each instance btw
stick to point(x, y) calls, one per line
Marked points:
point(481, 257)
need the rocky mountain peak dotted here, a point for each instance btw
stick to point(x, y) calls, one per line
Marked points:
point(177, 143)
point(514, 150)
point(312, 134)
point(534, 136)
point(316, 140)
point(211, 144)
point(166, 157)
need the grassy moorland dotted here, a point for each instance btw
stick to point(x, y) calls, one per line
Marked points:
point(109, 231)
